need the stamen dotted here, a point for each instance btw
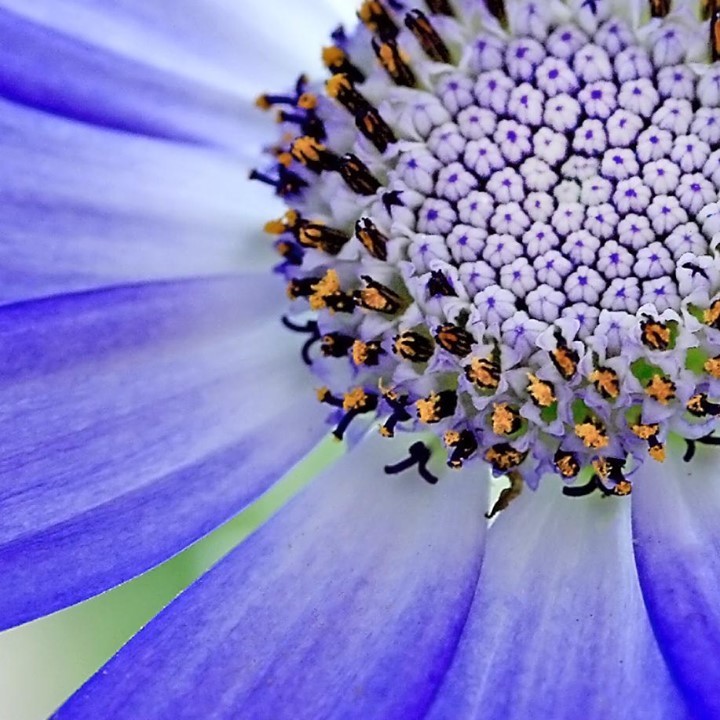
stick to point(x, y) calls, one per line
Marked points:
point(376, 18)
point(504, 457)
point(413, 346)
point(395, 62)
point(419, 454)
point(507, 495)
point(662, 389)
point(439, 285)
point(355, 403)
point(541, 391)
point(317, 235)
point(313, 154)
point(367, 118)
point(337, 61)
point(426, 35)
point(660, 8)
point(455, 340)
point(650, 433)
point(367, 353)
point(655, 335)
point(484, 372)
point(565, 359)
point(712, 367)
point(398, 404)
point(464, 445)
point(437, 407)
point(440, 7)
point(371, 238)
point(497, 8)
point(357, 176)
point(310, 328)
point(505, 420)
point(714, 31)
point(378, 297)
point(606, 382)
point(567, 464)
point(700, 406)
point(336, 344)
point(593, 434)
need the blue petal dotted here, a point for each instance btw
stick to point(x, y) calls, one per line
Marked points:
point(677, 549)
point(65, 75)
point(132, 422)
point(169, 68)
point(558, 628)
point(84, 207)
point(348, 604)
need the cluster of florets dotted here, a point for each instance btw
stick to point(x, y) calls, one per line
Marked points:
point(510, 236)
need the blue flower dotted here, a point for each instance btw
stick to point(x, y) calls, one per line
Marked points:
point(501, 226)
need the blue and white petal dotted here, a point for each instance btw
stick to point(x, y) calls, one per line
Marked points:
point(558, 628)
point(134, 421)
point(83, 207)
point(348, 604)
point(677, 552)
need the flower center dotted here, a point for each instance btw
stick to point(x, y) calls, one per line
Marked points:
point(509, 234)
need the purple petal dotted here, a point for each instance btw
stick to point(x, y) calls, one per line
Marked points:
point(348, 604)
point(677, 551)
point(132, 422)
point(83, 207)
point(558, 628)
point(63, 74)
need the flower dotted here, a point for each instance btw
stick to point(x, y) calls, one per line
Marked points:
point(501, 227)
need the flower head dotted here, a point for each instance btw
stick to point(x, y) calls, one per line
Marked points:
point(500, 226)
point(508, 230)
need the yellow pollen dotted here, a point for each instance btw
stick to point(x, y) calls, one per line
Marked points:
point(333, 56)
point(712, 314)
point(696, 404)
point(661, 389)
point(645, 432)
point(656, 335)
point(606, 381)
point(541, 392)
point(285, 159)
point(373, 299)
point(428, 409)
point(504, 458)
point(308, 101)
point(504, 419)
point(484, 372)
point(359, 352)
point(451, 438)
point(306, 148)
point(565, 362)
point(567, 466)
point(355, 399)
point(657, 452)
point(322, 394)
point(262, 102)
point(329, 285)
point(336, 84)
point(623, 488)
point(275, 227)
point(712, 367)
point(602, 468)
point(387, 58)
point(592, 434)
